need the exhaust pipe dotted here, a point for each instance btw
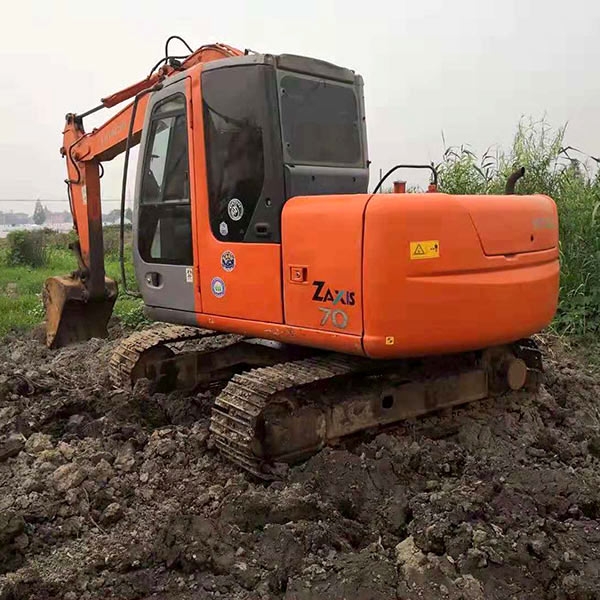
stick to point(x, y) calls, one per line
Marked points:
point(511, 182)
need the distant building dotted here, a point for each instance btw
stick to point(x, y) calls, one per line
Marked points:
point(54, 218)
point(12, 218)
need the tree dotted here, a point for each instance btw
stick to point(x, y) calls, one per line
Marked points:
point(113, 216)
point(39, 214)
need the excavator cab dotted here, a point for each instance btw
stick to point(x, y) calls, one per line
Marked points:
point(274, 127)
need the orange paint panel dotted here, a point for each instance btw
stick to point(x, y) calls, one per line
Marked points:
point(252, 290)
point(323, 234)
point(327, 340)
point(454, 313)
point(513, 224)
point(462, 299)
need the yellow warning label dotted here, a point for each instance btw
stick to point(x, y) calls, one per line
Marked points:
point(426, 249)
point(389, 340)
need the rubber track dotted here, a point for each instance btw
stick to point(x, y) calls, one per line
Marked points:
point(128, 352)
point(235, 411)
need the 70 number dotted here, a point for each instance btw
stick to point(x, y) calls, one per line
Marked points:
point(337, 317)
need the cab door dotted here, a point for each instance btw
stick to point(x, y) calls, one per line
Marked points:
point(242, 185)
point(162, 223)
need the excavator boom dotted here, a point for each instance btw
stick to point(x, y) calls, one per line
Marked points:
point(78, 306)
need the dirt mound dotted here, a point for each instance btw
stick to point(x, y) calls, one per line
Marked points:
point(106, 494)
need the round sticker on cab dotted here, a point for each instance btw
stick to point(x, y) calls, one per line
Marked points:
point(235, 209)
point(228, 261)
point(217, 285)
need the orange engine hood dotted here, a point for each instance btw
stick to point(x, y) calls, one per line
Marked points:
point(513, 224)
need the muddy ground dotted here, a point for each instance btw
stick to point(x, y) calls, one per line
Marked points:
point(106, 494)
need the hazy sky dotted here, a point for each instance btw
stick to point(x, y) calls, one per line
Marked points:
point(469, 68)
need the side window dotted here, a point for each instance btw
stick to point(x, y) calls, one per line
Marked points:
point(320, 121)
point(165, 231)
point(235, 155)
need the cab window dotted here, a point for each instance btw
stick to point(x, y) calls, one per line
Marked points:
point(165, 232)
point(235, 153)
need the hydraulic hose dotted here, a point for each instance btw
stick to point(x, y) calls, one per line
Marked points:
point(430, 167)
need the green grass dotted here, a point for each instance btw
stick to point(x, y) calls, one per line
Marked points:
point(21, 287)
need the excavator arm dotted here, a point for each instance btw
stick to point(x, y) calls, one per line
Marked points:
point(79, 306)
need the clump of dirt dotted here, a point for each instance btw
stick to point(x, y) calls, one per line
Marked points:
point(108, 494)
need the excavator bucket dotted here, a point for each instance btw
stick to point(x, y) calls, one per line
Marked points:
point(71, 315)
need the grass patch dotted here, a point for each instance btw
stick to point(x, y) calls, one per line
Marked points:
point(26, 248)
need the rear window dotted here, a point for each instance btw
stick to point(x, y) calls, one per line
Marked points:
point(320, 121)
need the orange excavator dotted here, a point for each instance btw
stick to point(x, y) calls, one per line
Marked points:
point(314, 308)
